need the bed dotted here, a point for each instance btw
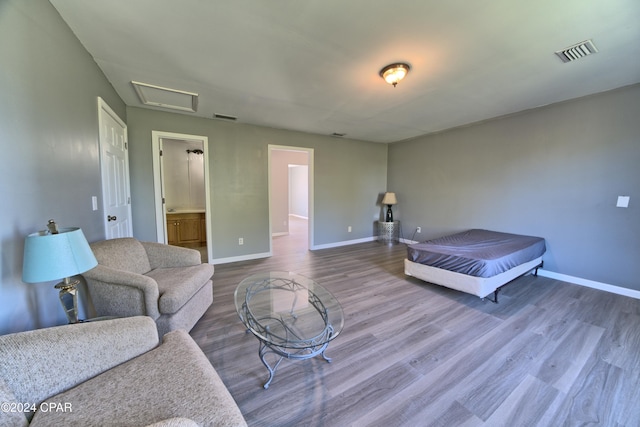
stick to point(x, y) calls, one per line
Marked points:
point(478, 262)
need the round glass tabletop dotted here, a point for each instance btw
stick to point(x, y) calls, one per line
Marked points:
point(288, 310)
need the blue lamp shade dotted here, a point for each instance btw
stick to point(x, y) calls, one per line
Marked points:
point(56, 256)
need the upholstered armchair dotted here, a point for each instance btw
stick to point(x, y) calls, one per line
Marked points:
point(167, 283)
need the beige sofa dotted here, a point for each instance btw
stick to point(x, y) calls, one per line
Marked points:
point(168, 283)
point(110, 373)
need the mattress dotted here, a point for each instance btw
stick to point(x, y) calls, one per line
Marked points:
point(479, 253)
point(480, 286)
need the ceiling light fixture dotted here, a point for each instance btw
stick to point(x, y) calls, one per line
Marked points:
point(393, 73)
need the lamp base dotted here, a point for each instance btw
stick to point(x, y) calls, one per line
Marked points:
point(389, 217)
point(69, 298)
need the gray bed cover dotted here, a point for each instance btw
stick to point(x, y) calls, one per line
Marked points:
point(480, 253)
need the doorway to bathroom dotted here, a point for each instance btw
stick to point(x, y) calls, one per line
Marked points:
point(181, 183)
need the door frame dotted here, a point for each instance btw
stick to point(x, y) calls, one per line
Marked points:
point(158, 184)
point(310, 194)
point(104, 108)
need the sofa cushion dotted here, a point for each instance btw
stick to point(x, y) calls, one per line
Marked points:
point(191, 279)
point(173, 380)
point(124, 253)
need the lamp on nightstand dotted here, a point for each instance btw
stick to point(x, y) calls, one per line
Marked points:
point(389, 199)
point(55, 253)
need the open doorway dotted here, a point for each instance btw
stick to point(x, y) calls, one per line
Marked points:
point(290, 198)
point(181, 184)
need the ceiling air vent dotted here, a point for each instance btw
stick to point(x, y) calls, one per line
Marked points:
point(164, 97)
point(224, 117)
point(577, 51)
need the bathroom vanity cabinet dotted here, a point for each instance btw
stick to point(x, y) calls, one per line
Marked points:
point(186, 229)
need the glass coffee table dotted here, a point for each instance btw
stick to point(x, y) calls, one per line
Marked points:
point(292, 316)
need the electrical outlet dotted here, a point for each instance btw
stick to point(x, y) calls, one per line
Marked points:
point(349, 229)
point(419, 230)
point(623, 202)
point(241, 241)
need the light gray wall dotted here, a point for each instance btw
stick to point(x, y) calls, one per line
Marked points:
point(183, 175)
point(349, 175)
point(49, 166)
point(553, 172)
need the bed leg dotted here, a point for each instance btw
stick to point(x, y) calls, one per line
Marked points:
point(537, 267)
point(495, 296)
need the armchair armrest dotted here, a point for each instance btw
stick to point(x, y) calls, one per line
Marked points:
point(162, 256)
point(122, 293)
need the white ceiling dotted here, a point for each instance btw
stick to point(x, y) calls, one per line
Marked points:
point(313, 65)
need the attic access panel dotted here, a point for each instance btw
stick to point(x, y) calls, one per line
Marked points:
point(159, 96)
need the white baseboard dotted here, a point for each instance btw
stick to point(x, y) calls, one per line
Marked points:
point(281, 233)
point(408, 242)
point(590, 283)
point(344, 243)
point(248, 257)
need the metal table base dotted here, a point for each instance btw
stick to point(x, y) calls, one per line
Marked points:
point(292, 317)
point(301, 354)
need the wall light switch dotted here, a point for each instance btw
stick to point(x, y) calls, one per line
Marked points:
point(94, 203)
point(623, 202)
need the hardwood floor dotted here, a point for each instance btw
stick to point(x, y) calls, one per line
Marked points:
point(415, 354)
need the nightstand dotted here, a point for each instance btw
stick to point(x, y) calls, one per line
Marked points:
point(388, 232)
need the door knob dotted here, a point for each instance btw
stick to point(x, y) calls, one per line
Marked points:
point(111, 218)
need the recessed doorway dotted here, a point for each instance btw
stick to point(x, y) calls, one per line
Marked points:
point(181, 183)
point(290, 199)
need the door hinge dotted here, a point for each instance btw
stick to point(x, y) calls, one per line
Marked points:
point(126, 145)
point(128, 200)
point(163, 202)
point(161, 152)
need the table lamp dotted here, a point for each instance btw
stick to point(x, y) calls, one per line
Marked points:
point(58, 253)
point(389, 199)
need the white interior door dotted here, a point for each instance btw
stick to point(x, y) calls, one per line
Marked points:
point(114, 166)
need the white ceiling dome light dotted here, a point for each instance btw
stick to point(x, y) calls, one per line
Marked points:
point(393, 73)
